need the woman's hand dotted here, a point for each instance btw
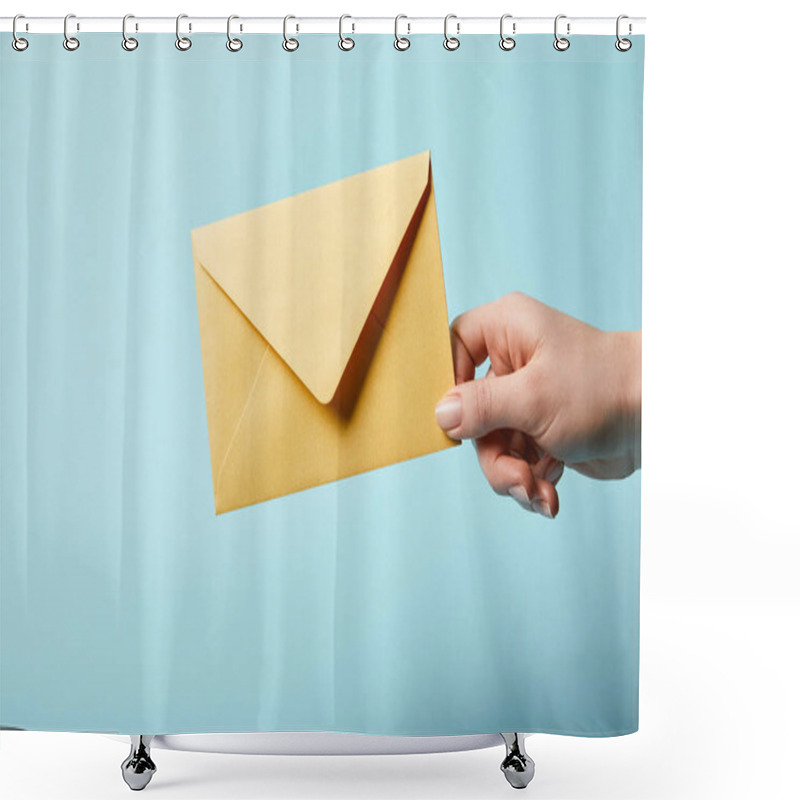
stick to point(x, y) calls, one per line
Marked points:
point(558, 392)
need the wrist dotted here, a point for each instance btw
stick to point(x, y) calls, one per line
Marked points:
point(629, 347)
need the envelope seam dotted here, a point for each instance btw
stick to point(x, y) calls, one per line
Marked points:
point(235, 433)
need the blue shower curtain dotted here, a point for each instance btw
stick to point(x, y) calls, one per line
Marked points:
point(405, 599)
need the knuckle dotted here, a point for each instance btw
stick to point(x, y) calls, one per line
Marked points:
point(514, 298)
point(497, 487)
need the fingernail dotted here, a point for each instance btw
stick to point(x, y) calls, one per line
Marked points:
point(448, 412)
point(521, 496)
point(542, 507)
point(555, 471)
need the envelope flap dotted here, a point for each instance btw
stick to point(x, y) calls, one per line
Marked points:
point(306, 270)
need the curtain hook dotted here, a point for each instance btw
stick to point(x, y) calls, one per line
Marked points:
point(401, 42)
point(233, 44)
point(345, 42)
point(289, 44)
point(451, 42)
point(18, 43)
point(561, 43)
point(128, 42)
point(623, 45)
point(507, 42)
point(182, 42)
point(70, 42)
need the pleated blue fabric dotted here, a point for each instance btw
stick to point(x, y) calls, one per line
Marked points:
point(410, 600)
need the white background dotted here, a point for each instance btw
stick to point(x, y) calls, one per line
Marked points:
point(720, 599)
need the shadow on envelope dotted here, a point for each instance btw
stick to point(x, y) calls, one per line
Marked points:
point(349, 389)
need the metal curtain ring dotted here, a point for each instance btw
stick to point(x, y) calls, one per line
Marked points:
point(18, 43)
point(561, 43)
point(623, 45)
point(507, 42)
point(401, 42)
point(289, 44)
point(345, 42)
point(128, 42)
point(233, 44)
point(70, 42)
point(451, 42)
point(181, 42)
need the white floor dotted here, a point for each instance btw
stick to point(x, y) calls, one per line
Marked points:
point(718, 693)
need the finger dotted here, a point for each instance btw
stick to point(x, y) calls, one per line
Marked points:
point(513, 476)
point(518, 445)
point(476, 407)
point(502, 470)
point(549, 468)
point(545, 499)
point(463, 364)
point(522, 446)
point(468, 341)
point(536, 452)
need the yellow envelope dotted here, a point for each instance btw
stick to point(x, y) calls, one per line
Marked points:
point(324, 333)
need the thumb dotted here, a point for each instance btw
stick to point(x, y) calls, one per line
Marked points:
point(474, 408)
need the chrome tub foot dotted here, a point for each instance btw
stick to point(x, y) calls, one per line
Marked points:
point(138, 768)
point(517, 766)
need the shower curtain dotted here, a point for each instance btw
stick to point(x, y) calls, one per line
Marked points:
point(228, 278)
